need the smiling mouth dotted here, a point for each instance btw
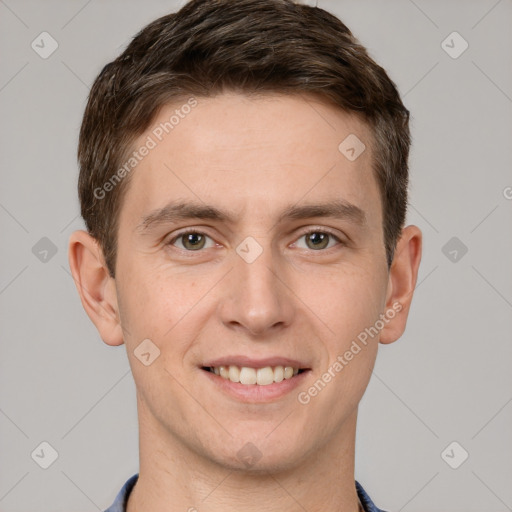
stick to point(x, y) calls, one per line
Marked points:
point(259, 376)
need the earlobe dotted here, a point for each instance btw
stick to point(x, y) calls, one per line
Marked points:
point(96, 288)
point(403, 275)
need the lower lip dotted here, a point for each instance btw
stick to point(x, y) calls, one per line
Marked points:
point(254, 393)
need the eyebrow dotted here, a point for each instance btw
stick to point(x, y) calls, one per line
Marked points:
point(184, 210)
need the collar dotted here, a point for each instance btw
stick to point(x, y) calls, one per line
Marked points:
point(121, 500)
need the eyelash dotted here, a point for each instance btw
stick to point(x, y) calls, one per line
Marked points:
point(197, 232)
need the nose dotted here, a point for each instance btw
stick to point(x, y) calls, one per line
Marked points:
point(257, 299)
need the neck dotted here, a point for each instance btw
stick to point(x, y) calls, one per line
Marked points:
point(174, 477)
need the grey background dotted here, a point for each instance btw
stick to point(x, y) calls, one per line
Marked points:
point(448, 379)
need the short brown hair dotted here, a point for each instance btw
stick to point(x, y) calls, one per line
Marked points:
point(249, 46)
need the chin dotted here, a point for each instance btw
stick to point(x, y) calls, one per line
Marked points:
point(261, 456)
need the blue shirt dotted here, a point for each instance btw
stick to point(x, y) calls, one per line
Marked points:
point(119, 504)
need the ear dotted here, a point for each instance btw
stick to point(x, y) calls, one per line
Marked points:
point(96, 288)
point(402, 281)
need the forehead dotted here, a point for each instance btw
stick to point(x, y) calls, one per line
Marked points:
point(254, 155)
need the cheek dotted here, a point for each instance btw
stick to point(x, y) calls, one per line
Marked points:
point(162, 306)
point(350, 310)
point(153, 310)
point(346, 300)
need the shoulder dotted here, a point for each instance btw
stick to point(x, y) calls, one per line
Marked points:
point(119, 504)
point(366, 501)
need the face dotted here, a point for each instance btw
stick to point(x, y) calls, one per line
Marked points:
point(249, 241)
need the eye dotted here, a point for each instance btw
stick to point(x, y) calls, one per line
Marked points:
point(318, 239)
point(315, 240)
point(191, 240)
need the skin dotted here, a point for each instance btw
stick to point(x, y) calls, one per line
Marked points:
point(252, 157)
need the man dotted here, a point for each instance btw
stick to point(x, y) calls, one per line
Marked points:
point(243, 180)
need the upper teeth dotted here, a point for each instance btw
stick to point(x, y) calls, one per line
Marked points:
point(261, 376)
